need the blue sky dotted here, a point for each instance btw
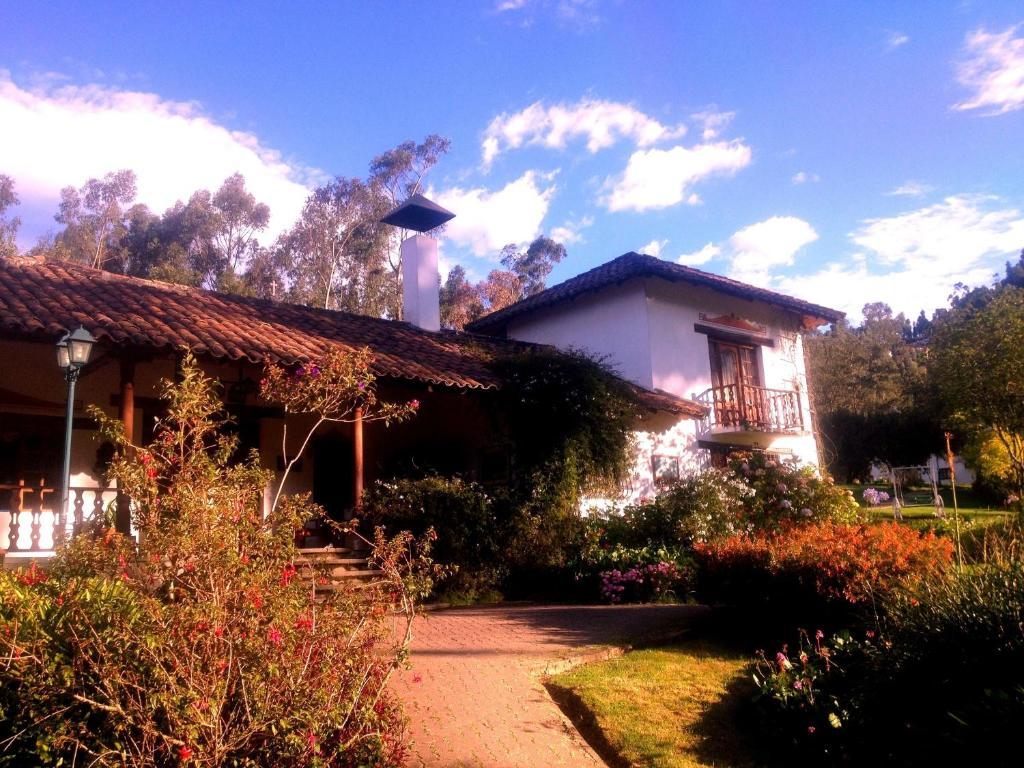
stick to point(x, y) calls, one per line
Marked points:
point(840, 152)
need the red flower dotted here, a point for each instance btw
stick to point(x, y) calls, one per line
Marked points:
point(287, 575)
point(184, 753)
point(274, 636)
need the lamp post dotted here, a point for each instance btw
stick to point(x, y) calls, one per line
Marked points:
point(73, 352)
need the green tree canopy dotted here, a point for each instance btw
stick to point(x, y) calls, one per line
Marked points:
point(977, 367)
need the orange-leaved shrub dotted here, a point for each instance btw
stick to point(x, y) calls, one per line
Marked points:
point(205, 643)
point(819, 565)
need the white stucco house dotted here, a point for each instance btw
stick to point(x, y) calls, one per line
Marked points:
point(734, 348)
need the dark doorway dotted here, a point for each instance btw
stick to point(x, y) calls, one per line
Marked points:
point(333, 466)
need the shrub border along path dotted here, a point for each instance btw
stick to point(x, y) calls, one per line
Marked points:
point(474, 692)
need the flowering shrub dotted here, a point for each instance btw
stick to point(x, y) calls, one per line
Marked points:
point(643, 583)
point(471, 540)
point(874, 497)
point(205, 644)
point(939, 681)
point(337, 389)
point(822, 564)
point(785, 492)
point(699, 508)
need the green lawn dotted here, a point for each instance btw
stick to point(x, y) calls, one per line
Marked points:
point(671, 707)
point(973, 509)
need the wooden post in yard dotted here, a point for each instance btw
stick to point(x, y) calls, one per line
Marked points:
point(123, 520)
point(357, 445)
point(956, 510)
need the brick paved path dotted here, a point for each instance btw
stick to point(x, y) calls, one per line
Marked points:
point(474, 695)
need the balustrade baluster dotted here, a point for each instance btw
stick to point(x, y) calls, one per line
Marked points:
point(36, 512)
point(17, 498)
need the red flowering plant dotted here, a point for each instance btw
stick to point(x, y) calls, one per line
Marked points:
point(207, 643)
point(820, 568)
point(340, 387)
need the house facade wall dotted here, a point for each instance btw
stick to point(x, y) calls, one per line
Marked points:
point(613, 324)
point(646, 329)
point(452, 432)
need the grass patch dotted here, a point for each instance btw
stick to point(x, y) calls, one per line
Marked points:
point(973, 508)
point(670, 707)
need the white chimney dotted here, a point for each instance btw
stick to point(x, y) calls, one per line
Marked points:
point(420, 283)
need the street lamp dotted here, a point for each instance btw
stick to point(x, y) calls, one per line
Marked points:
point(73, 352)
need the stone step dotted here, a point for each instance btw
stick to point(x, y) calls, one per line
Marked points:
point(337, 565)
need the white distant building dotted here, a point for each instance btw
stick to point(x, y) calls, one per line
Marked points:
point(734, 348)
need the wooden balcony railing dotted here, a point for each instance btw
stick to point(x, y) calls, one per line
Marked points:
point(750, 408)
point(29, 519)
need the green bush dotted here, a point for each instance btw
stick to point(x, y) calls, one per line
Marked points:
point(472, 542)
point(206, 642)
point(700, 508)
point(940, 682)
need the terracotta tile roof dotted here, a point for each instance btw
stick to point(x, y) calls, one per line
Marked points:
point(660, 400)
point(633, 265)
point(46, 299)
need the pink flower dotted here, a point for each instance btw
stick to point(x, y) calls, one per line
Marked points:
point(274, 636)
point(415, 404)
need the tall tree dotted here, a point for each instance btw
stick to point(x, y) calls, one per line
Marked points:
point(869, 386)
point(335, 257)
point(461, 302)
point(397, 175)
point(977, 365)
point(8, 224)
point(93, 217)
point(525, 274)
point(400, 171)
point(239, 218)
point(533, 265)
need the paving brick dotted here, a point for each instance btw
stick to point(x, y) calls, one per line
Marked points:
point(473, 692)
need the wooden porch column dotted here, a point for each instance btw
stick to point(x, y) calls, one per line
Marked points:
point(357, 445)
point(123, 521)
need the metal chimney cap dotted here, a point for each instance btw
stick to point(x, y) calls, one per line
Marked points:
point(418, 214)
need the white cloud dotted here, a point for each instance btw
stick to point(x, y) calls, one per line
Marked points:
point(849, 286)
point(947, 238)
point(59, 136)
point(580, 14)
point(654, 248)
point(486, 221)
point(601, 123)
point(992, 68)
point(894, 40)
point(697, 258)
point(911, 261)
point(752, 252)
point(659, 178)
point(911, 189)
point(712, 122)
point(803, 177)
point(756, 249)
point(571, 231)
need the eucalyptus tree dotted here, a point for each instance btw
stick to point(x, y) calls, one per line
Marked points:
point(8, 224)
point(94, 217)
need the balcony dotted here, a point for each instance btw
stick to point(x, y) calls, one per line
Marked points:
point(741, 408)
